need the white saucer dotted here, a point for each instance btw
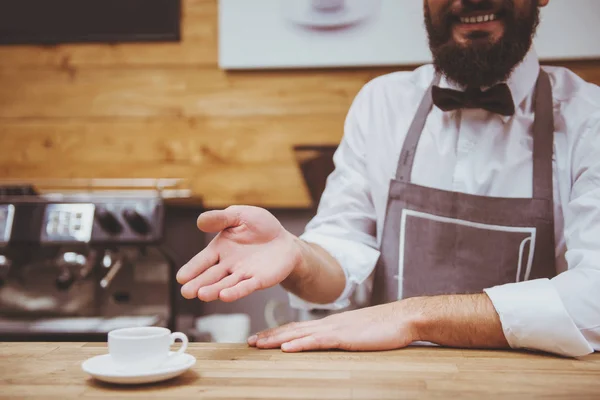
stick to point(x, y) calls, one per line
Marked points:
point(104, 369)
point(302, 12)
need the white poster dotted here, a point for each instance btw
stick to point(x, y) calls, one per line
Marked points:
point(338, 33)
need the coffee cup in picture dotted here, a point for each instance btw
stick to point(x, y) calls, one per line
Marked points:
point(328, 5)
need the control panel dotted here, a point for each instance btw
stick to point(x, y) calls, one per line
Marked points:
point(68, 223)
point(102, 220)
point(129, 220)
point(7, 214)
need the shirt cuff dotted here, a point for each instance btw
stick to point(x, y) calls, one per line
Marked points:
point(534, 317)
point(356, 259)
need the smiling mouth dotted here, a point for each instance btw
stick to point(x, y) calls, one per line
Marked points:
point(478, 19)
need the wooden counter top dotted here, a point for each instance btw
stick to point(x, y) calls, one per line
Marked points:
point(52, 370)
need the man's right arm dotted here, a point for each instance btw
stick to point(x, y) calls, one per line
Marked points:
point(339, 247)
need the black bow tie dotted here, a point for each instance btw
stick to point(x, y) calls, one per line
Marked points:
point(497, 99)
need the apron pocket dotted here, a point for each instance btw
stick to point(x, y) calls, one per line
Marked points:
point(440, 255)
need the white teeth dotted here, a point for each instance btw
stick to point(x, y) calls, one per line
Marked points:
point(478, 19)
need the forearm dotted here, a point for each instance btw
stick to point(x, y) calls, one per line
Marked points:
point(468, 321)
point(317, 277)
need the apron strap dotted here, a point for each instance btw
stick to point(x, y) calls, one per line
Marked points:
point(543, 139)
point(411, 141)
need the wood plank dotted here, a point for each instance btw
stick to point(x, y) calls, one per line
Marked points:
point(240, 160)
point(183, 92)
point(197, 47)
point(588, 70)
point(195, 141)
point(265, 185)
point(178, 92)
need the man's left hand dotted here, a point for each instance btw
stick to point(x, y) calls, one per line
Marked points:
point(385, 327)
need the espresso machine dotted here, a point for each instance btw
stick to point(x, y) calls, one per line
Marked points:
point(75, 264)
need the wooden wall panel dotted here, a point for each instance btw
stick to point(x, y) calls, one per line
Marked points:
point(247, 160)
point(174, 92)
point(216, 186)
point(166, 111)
point(198, 142)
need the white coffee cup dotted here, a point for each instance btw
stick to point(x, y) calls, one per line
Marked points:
point(144, 347)
point(327, 5)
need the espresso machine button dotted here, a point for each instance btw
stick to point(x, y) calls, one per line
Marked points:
point(136, 221)
point(108, 221)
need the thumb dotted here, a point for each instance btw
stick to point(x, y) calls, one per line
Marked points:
point(218, 220)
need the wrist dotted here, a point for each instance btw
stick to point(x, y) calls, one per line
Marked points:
point(315, 275)
point(299, 271)
point(414, 315)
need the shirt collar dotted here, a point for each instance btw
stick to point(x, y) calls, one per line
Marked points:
point(521, 82)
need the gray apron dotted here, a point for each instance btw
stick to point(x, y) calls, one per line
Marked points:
point(442, 242)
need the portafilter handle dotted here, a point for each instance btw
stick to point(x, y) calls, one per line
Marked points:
point(113, 270)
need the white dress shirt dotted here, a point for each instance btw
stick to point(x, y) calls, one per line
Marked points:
point(480, 153)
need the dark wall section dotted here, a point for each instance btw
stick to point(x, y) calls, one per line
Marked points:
point(71, 21)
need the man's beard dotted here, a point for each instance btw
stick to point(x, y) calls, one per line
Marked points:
point(481, 63)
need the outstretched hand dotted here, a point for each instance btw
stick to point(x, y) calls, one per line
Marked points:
point(251, 251)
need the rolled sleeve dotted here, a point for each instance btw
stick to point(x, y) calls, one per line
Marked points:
point(533, 317)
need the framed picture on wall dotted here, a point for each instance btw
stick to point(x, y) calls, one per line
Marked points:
point(339, 33)
point(80, 21)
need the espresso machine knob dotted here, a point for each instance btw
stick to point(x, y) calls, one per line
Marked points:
point(108, 221)
point(5, 264)
point(136, 221)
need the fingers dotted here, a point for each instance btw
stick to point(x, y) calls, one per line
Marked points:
point(197, 265)
point(217, 283)
point(295, 337)
point(211, 221)
point(272, 342)
point(319, 341)
point(209, 277)
point(218, 220)
point(275, 337)
point(242, 289)
point(211, 292)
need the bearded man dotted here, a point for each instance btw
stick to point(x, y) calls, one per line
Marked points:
point(467, 192)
